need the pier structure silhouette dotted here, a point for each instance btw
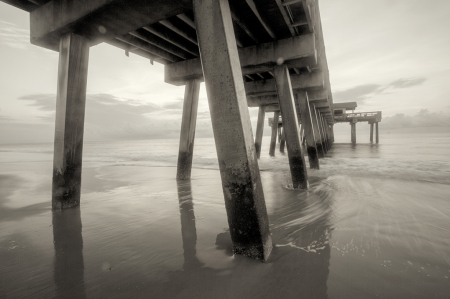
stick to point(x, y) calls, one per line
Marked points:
point(268, 54)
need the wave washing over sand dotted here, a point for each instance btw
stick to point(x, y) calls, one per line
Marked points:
point(374, 224)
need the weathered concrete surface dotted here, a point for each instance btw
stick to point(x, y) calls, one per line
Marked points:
point(291, 128)
point(283, 140)
point(260, 130)
point(187, 134)
point(297, 51)
point(310, 81)
point(70, 108)
point(307, 127)
point(322, 133)
point(243, 193)
point(371, 132)
point(377, 136)
point(273, 138)
point(353, 131)
point(317, 134)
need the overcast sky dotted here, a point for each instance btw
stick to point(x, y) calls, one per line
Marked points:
point(388, 55)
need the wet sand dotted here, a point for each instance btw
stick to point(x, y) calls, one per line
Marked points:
point(140, 234)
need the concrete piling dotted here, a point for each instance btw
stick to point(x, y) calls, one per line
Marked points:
point(243, 193)
point(290, 124)
point(187, 135)
point(307, 126)
point(259, 130)
point(317, 134)
point(273, 139)
point(283, 140)
point(371, 132)
point(353, 131)
point(377, 136)
point(69, 124)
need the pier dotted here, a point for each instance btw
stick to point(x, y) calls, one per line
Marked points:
point(268, 54)
point(342, 116)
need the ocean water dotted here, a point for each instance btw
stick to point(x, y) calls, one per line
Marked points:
point(375, 223)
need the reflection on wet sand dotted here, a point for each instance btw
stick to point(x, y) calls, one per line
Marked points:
point(68, 264)
point(301, 254)
point(188, 230)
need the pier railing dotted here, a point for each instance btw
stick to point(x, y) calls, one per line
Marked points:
point(359, 116)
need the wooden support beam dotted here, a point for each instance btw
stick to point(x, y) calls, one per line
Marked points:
point(273, 139)
point(188, 121)
point(184, 33)
point(244, 197)
point(70, 110)
point(307, 126)
point(173, 38)
point(260, 130)
point(263, 22)
point(268, 87)
point(296, 51)
point(94, 18)
point(135, 42)
point(187, 20)
point(290, 123)
point(162, 44)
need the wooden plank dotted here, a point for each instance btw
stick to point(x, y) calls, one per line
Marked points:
point(149, 48)
point(184, 33)
point(264, 23)
point(187, 20)
point(296, 51)
point(173, 38)
point(161, 44)
point(242, 23)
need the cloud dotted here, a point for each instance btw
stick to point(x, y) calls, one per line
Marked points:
point(423, 118)
point(356, 94)
point(177, 105)
point(363, 92)
point(406, 83)
point(13, 36)
point(109, 117)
